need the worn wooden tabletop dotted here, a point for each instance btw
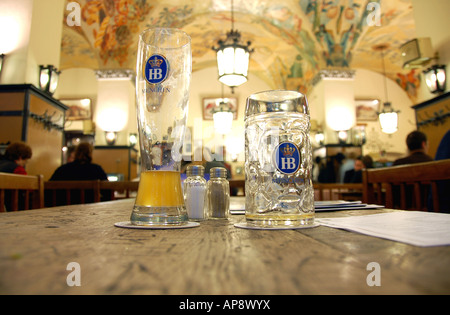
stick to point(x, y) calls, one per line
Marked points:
point(38, 249)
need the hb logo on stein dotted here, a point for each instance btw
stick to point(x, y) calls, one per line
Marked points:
point(287, 158)
point(156, 69)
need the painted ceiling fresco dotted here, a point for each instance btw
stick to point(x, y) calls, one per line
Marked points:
point(292, 39)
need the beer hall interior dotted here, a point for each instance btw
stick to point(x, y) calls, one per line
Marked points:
point(352, 59)
point(373, 71)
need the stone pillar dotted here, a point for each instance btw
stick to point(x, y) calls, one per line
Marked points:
point(116, 109)
point(334, 102)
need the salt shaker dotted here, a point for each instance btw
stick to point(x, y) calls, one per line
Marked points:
point(195, 193)
point(218, 194)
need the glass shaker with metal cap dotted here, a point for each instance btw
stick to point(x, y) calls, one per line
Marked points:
point(195, 193)
point(218, 194)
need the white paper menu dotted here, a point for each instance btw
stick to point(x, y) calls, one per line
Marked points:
point(411, 227)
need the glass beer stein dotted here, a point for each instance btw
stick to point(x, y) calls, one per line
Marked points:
point(278, 160)
point(163, 74)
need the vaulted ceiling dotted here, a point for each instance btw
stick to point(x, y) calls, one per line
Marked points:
point(292, 39)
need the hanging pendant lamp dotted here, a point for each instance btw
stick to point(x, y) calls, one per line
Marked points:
point(233, 57)
point(388, 119)
point(388, 116)
point(223, 116)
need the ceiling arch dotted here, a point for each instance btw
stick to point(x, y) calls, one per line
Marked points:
point(292, 39)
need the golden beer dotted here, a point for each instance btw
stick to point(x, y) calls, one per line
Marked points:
point(160, 189)
point(159, 200)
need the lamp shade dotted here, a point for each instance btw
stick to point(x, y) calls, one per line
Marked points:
point(110, 137)
point(223, 121)
point(233, 59)
point(435, 78)
point(2, 56)
point(48, 78)
point(232, 63)
point(319, 137)
point(342, 136)
point(133, 139)
point(388, 119)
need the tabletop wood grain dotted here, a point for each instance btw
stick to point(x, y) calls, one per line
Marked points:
point(36, 247)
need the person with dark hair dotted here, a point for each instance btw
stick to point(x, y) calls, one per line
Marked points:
point(13, 161)
point(355, 175)
point(417, 144)
point(16, 157)
point(81, 168)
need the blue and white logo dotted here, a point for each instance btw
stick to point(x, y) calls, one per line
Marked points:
point(286, 157)
point(156, 69)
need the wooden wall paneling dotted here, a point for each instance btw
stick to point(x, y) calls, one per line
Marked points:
point(30, 115)
point(46, 141)
point(433, 119)
point(11, 112)
point(116, 159)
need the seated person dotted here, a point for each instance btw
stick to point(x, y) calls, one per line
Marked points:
point(16, 157)
point(81, 168)
point(355, 175)
point(417, 144)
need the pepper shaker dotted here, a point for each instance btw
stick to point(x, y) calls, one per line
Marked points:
point(195, 193)
point(218, 190)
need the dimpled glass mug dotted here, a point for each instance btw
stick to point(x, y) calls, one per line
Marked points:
point(278, 160)
point(164, 66)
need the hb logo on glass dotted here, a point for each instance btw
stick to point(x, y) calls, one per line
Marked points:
point(156, 69)
point(287, 158)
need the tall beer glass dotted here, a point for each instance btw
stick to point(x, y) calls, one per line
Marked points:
point(278, 160)
point(163, 74)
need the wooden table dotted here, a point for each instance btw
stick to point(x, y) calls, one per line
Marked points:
point(215, 258)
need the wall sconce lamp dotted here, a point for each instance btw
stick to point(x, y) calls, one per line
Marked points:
point(110, 137)
point(435, 77)
point(133, 139)
point(319, 137)
point(342, 136)
point(2, 57)
point(48, 78)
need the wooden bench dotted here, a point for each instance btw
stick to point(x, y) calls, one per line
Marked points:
point(15, 188)
point(121, 189)
point(321, 191)
point(331, 191)
point(407, 187)
point(59, 193)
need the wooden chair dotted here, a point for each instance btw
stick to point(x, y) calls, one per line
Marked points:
point(406, 187)
point(15, 188)
point(59, 193)
point(331, 191)
point(120, 189)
